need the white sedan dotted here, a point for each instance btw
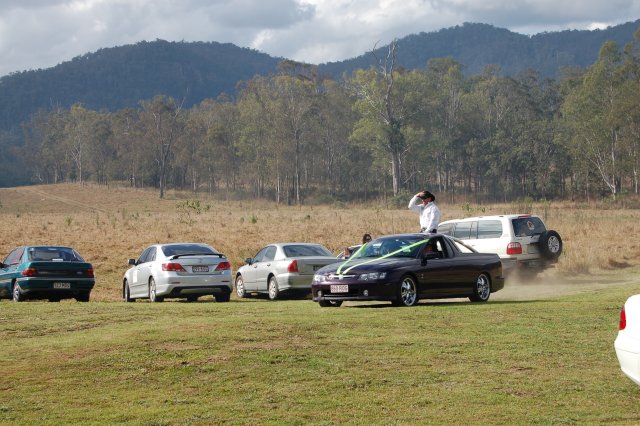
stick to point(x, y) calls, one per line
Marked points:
point(187, 270)
point(627, 343)
point(282, 267)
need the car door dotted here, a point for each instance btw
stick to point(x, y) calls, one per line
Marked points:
point(140, 274)
point(9, 271)
point(265, 267)
point(249, 274)
point(437, 274)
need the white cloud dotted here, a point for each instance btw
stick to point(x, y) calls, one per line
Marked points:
point(43, 33)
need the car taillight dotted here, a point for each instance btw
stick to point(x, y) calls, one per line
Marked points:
point(90, 273)
point(173, 267)
point(623, 319)
point(223, 266)
point(514, 248)
point(293, 266)
point(29, 272)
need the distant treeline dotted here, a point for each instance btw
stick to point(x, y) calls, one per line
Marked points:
point(384, 131)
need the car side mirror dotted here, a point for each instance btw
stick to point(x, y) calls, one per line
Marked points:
point(248, 260)
point(132, 262)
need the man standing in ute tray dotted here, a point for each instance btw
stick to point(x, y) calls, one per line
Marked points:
point(424, 203)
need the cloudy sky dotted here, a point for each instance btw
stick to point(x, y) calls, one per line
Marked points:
point(42, 33)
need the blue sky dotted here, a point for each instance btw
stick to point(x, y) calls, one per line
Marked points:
point(43, 33)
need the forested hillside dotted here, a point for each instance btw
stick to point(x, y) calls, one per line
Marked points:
point(298, 135)
point(478, 45)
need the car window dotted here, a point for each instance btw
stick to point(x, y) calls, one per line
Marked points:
point(527, 226)
point(269, 254)
point(64, 254)
point(300, 250)
point(489, 229)
point(459, 246)
point(151, 256)
point(405, 246)
point(260, 256)
point(14, 257)
point(144, 255)
point(180, 249)
point(445, 229)
point(463, 230)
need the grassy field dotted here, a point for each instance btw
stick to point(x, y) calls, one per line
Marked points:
point(539, 352)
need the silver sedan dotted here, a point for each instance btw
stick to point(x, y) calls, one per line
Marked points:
point(282, 267)
point(185, 270)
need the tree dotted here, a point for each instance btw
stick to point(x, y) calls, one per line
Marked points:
point(385, 102)
point(591, 110)
point(161, 119)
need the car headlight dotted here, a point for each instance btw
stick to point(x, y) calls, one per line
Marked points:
point(372, 276)
point(319, 278)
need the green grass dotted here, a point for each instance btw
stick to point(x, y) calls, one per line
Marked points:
point(291, 362)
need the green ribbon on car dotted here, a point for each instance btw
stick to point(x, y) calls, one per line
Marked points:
point(338, 271)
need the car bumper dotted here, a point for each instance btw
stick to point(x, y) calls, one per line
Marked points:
point(194, 285)
point(628, 353)
point(294, 282)
point(356, 291)
point(59, 286)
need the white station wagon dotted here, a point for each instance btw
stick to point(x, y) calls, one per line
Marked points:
point(521, 240)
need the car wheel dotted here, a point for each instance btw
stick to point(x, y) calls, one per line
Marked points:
point(273, 288)
point(153, 297)
point(126, 292)
point(224, 297)
point(17, 295)
point(83, 297)
point(550, 245)
point(330, 303)
point(407, 293)
point(241, 292)
point(481, 289)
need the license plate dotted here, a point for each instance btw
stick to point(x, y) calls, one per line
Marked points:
point(61, 285)
point(200, 269)
point(339, 288)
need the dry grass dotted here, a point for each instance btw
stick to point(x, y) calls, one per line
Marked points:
point(109, 225)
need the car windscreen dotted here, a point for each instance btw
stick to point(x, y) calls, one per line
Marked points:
point(304, 250)
point(400, 246)
point(55, 254)
point(180, 249)
point(527, 226)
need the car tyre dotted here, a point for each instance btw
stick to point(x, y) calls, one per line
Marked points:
point(224, 297)
point(241, 291)
point(481, 289)
point(407, 292)
point(126, 292)
point(83, 297)
point(153, 297)
point(272, 288)
point(330, 303)
point(16, 294)
point(550, 245)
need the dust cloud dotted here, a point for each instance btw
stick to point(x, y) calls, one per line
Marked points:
point(523, 285)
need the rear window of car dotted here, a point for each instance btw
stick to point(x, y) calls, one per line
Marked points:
point(299, 250)
point(56, 254)
point(489, 229)
point(182, 249)
point(528, 226)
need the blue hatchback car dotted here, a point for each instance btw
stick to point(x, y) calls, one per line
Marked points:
point(46, 272)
